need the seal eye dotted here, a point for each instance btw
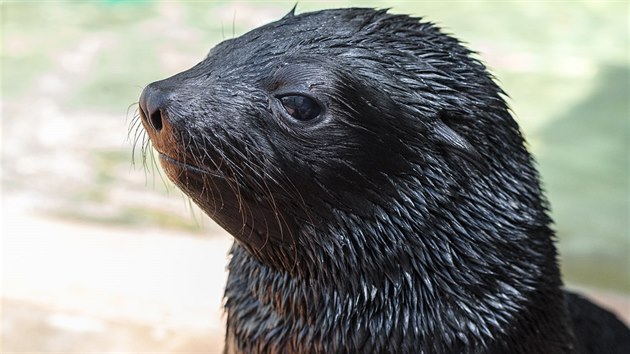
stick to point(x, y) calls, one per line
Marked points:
point(301, 108)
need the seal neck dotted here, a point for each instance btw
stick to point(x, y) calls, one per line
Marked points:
point(437, 270)
point(425, 310)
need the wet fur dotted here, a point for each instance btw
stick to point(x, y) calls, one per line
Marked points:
point(408, 218)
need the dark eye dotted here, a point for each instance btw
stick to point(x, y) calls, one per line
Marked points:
point(301, 107)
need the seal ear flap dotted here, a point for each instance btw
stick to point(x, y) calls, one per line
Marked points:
point(290, 13)
point(455, 143)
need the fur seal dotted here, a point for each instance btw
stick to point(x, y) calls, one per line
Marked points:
point(378, 189)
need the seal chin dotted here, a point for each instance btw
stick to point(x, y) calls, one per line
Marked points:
point(229, 206)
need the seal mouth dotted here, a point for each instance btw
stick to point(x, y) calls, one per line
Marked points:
point(246, 228)
point(190, 167)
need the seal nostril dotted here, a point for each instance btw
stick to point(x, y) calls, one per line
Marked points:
point(154, 102)
point(156, 120)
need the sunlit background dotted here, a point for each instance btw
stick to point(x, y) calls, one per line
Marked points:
point(100, 254)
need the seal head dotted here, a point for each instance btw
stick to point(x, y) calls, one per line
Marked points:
point(232, 133)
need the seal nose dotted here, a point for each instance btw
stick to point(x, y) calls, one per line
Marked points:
point(153, 102)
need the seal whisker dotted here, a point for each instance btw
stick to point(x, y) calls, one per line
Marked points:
point(205, 149)
point(139, 141)
point(145, 147)
point(156, 167)
point(135, 129)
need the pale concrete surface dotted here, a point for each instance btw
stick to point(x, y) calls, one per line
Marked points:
point(76, 288)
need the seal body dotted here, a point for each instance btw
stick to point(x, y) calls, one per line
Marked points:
point(378, 189)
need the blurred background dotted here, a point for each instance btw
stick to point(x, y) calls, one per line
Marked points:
point(100, 254)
